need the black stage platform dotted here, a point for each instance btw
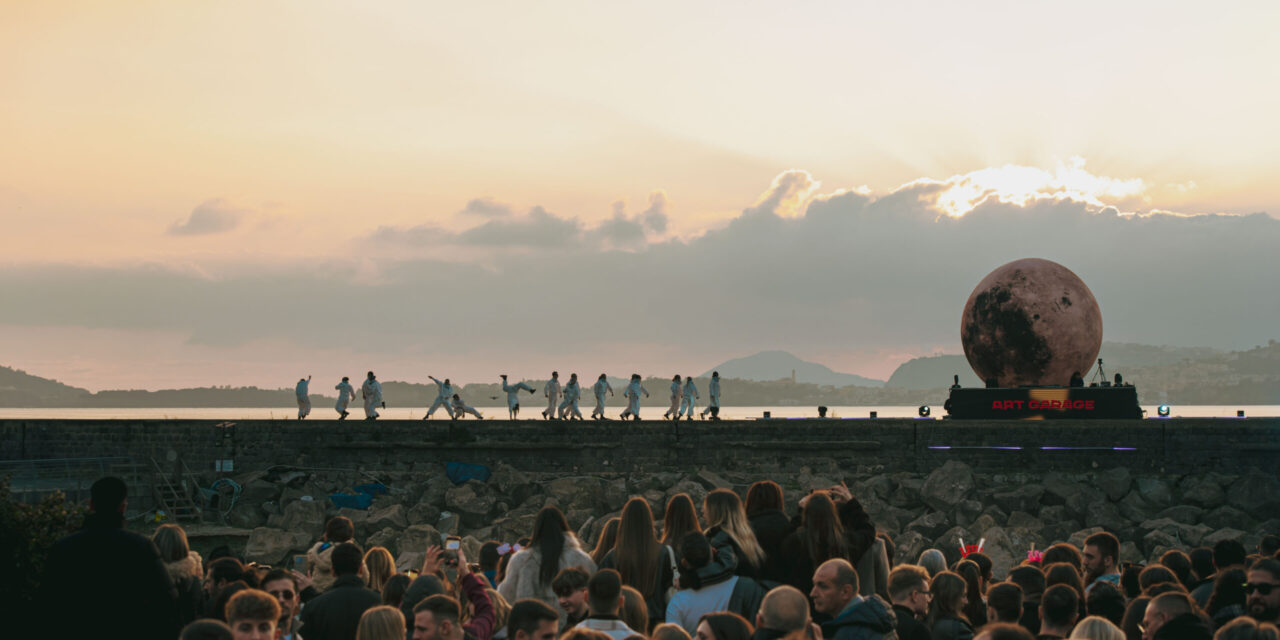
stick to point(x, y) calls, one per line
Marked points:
point(1044, 403)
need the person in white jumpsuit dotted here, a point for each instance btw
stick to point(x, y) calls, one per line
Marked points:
point(461, 408)
point(677, 391)
point(713, 404)
point(600, 387)
point(569, 406)
point(345, 394)
point(633, 398)
point(442, 398)
point(552, 392)
point(513, 396)
point(371, 390)
point(304, 399)
point(690, 394)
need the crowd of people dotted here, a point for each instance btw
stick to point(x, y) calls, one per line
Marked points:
point(562, 401)
point(731, 569)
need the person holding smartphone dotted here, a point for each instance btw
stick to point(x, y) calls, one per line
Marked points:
point(483, 616)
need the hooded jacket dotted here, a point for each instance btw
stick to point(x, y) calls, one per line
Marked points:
point(870, 619)
point(187, 576)
point(522, 579)
point(1187, 626)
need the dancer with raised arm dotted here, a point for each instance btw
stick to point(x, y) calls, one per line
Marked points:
point(345, 394)
point(600, 387)
point(569, 407)
point(713, 390)
point(552, 392)
point(690, 394)
point(513, 396)
point(371, 391)
point(443, 397)
point(677, 391)
point(304, 397)
point(633, 398)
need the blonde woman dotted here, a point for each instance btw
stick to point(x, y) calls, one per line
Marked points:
point(727, 524)
point(381, 623)
point(185, 568)
point(380, 567)
point(1097, 628)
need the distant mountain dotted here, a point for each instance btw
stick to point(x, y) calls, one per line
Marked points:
point(21, 389)
point(1127, 355)
point(767, 366)
point(933, 372)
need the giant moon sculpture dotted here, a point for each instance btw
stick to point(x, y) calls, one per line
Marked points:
point(1031, 322)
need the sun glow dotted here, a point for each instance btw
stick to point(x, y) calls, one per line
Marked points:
point(1020, 185)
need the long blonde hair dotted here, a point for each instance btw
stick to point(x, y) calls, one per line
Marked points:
point(724, 510)
point(380, 565)
point(1097, 628)
point(381, 623)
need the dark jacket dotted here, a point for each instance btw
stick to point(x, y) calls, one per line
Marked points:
point(720, 539)
point(656, 599)
point(1187, 626)
point(909, 627)
point(335, 614)
point(859, 535)
point(951, 628)
point(870, 619)
point(771, 527)
point(110, 579)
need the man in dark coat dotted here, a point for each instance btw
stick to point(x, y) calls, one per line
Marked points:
point(1173, 616)
point(909, 591)
point(335, 614)
point(853, 617)
point(110, 578)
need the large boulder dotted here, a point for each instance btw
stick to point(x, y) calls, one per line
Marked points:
point(949, 542)
point(1184, 513)
point(909, 546)
point(389, 516)
point(711, 480)
point(1257, 494)
point(1004, 555)
point(1024, 498)
point(514, 485)
point(1062, 491)
point(907, 494)
point(577, 492)
point(1105, 515)
point(1227, 516)
point(696, 492)
point(1186, 535)
point(947, 485)
point(1224, 534)
point(1155, 491)
point(274, 546)
point(1080, 536)
point(305, 516)
point(473, 502)
point(930, 525)
point(1022, 519)
point(1202, 491)
point(1114, 482)
point(423, 513)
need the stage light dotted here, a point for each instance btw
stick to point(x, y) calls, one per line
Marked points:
point(924, 411)
point(1163, 411)
point(873, 414)
point(1239, 413)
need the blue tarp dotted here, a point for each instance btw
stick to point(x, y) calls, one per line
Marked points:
point(460, 472)
point(362, 498)
point(373, 489)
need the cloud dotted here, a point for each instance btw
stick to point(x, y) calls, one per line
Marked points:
point(209, 217)
point(487, 208)
point(538, 228)
point(655, 217)
point(812, 273)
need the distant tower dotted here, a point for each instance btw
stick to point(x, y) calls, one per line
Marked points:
point(793, 376)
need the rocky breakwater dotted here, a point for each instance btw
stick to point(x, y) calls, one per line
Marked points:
point(286, 509)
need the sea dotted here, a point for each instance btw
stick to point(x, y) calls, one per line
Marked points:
point(532, 411)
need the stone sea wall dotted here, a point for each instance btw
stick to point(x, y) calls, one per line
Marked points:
point(1157, 484)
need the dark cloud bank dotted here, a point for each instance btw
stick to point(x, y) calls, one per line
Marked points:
point(853, 272)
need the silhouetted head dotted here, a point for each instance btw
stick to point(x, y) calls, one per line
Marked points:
point(635, 376)
point(346, 379)
point(108, 495)
point(455, 396)
point(371, 376)
point(715, 374)
point(555, 374)
point(602, 376)
point(446, 381)
point(573, 376)
point(677, 378)
point(503, 376)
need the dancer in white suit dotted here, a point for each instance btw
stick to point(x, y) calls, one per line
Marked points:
point(513, 396)
point(552, 392)
point(600, 387)
point(633, 397)
point(569, 406)
point(690, 394)
point(371, 390)
point(713, 390)
point(304, 398)
point(443, 396)
point(677, 391)
point(461, 408)
point(345, 394)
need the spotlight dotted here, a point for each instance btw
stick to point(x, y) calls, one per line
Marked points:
point(1239, 413)
point(1163, 411)
point(924, 411)
point(873, 414)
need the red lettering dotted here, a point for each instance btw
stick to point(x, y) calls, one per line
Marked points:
point(1088, 404)
point(997, 405)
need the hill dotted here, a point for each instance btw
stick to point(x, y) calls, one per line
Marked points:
point(21, 389)
point(933, 372)
point(768, 366)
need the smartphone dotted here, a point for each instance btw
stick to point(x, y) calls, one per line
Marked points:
point(300, 564)
point(451, 546)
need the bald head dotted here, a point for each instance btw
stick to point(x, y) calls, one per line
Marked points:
point(784, 609)
point(835, 583)
point(840, 572)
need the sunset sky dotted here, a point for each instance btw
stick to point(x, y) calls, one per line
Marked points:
point(224, 192)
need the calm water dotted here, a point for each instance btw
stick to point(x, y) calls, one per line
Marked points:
point(532, 412)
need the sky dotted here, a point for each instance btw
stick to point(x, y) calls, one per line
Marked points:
point(199, 193)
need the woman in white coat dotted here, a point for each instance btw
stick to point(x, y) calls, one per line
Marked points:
point(552, 547)
point(677, 392)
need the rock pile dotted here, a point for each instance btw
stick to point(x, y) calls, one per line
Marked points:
point(1013, 512)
